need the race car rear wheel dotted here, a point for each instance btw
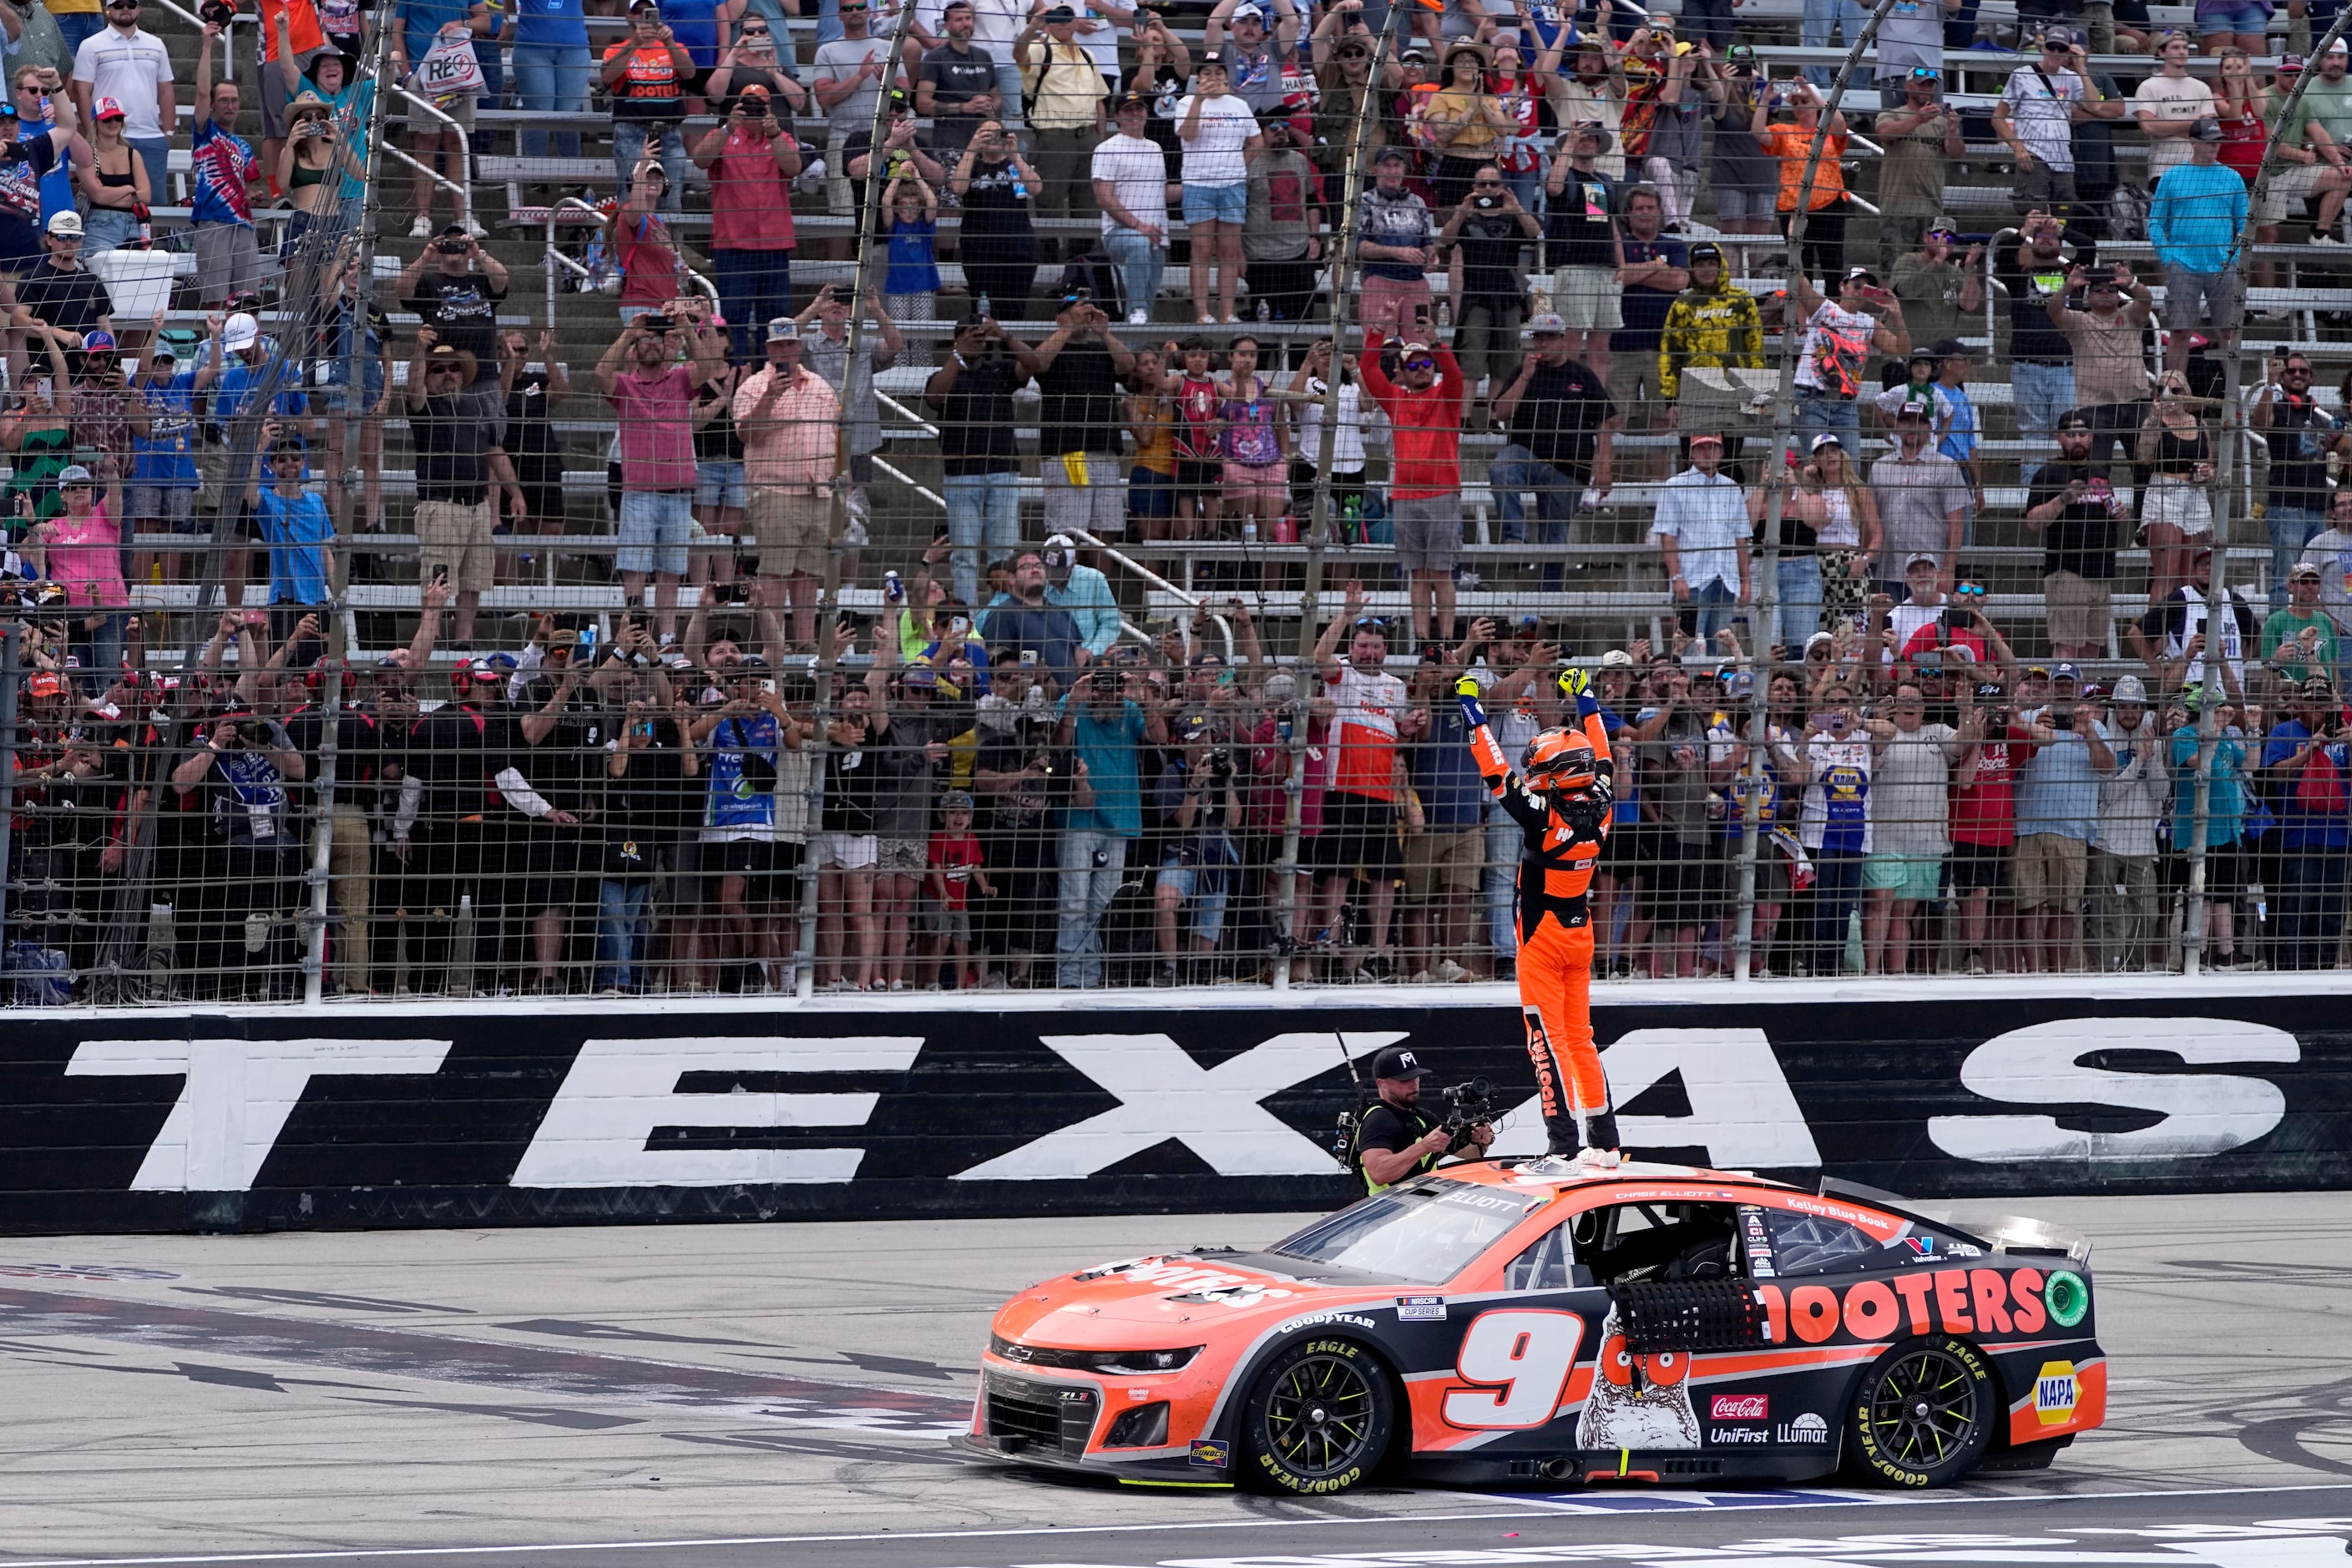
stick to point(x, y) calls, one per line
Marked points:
point(1923, 1414)
point(1318, 1419)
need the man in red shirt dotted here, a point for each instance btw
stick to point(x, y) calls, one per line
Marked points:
point(752, 161)
point(1984, 804)
point(1425, 403)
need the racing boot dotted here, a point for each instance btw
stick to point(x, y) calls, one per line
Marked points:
point(1600, 1151)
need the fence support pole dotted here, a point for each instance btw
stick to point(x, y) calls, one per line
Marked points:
point(1286, 939)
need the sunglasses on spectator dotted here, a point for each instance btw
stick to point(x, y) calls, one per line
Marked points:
point(1968, 591)
point(1371, 624)
point(1488, 184)
point(1421, 362)
point(755, 33)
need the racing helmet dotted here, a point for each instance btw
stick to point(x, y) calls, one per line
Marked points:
point(1559, 760)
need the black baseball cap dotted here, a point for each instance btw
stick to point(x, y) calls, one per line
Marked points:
point(1397, 1062)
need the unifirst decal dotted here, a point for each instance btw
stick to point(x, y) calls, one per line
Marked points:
point(2053, 1392)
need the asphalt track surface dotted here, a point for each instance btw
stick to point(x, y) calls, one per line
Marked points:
point(726, 1396)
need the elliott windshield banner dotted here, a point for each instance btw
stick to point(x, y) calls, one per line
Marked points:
point(427, 1116)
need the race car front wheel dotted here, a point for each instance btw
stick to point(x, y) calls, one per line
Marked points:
point(1318, 1419)
point(1923, 1414)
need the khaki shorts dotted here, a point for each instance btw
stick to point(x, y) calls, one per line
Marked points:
point(458, 537)
point(2081, 609)
point(1443, 859)
point(2049, 870)
point(1588, 298)
point(2287, 192)
point(459, 107)
point(793, 529)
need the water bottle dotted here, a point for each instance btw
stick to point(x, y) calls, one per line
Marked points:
point(1264, 311)
point(1249, 532)
point(1444, 314)
point(980, 306)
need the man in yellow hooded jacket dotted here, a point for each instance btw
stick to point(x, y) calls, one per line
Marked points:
point(1711, 325)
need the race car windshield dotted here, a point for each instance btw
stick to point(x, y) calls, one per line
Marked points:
point(1421, 1235)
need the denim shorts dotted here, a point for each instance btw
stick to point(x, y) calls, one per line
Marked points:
point(2241, 17)
point(718, 483)
point(654, 527)
point(1216, 203)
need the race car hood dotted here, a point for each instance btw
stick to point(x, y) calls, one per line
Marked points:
point(1145, 1303)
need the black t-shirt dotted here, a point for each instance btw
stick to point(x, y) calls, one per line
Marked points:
point(2298, 438)
point(976, 426)
point(1560, 416)
point(1490, 243)
point(1581, 221)
point(355, 751)
point(2029, 283)
point(71, 300)
point(465, 312)
point(954, 79)
point(2081, 538)
point(642, 807)
point(453, 437)
point(1080, 411)
point(996, 202)
point(1023, 808)
point(531, 431)
point(717, 440)
point(1395, 1129)
point(456, 751)
point(852, 779)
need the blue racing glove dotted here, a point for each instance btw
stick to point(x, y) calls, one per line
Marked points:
point(1474, 711)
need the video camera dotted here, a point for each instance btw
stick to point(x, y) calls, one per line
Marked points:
point(1468, 1104)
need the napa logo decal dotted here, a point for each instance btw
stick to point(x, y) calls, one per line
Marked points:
point(2053, 1392)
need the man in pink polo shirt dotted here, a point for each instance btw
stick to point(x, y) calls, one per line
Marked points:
point(654, 398)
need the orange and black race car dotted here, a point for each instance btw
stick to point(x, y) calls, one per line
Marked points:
point(1485, 1326)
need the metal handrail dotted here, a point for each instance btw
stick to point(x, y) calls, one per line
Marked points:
point(465, 150)
point(1225, 627)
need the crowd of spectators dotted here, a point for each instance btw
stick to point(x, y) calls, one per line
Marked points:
point(997, 778)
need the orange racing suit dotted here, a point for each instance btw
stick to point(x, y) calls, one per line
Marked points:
point(1562, 834)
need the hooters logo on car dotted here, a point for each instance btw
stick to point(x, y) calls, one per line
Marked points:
point(1739, 1407)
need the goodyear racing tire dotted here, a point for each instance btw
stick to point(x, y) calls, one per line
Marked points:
point(1318, 1419)
point(1922, 1414)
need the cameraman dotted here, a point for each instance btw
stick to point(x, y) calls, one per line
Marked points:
point(1396, 1139)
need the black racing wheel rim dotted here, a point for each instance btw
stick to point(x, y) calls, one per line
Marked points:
point(1926, 1410)
point(1322, 1416)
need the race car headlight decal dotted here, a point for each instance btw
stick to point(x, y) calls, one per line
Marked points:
point(1145, 1426)
point(2068, 1298)
point(1126, 1363)
point(1118, 1363)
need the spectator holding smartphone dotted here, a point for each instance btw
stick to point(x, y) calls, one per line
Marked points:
point(2073, 505)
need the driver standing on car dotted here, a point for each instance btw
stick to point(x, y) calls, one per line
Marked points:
point(1396, 1137)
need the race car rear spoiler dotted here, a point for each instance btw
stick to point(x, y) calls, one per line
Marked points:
point(2012, 1233)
